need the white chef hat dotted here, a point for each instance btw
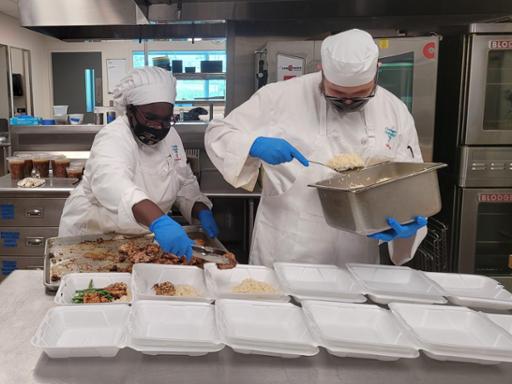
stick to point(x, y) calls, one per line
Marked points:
point(145, 86)
point(349, 58)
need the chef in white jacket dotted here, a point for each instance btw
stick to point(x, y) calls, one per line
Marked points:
point(138, 169)
point(339, 109)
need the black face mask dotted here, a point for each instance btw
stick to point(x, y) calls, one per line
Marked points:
point(342, 106)
point(148, 135)
point(357, 103)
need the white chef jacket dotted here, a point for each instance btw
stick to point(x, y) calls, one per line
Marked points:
point(121, 172)
point(290, 225)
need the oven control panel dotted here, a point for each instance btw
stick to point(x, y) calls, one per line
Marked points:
point(485, 167)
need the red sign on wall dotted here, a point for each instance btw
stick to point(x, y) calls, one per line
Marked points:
point(495, 197)
point(500, 44)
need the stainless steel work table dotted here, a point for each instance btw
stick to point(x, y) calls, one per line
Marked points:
point(23, 304)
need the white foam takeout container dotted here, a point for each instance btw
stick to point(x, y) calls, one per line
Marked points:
point(386, 283)
point(163, 327)
point(72, 282)
point(318, 282)
point(221, 282)
point(83, 331)
point(473, 290)
point(455, 333)
point(264, 328)
point(359, 330)
point(504, 321)
point(144, 276)
point(151, 327)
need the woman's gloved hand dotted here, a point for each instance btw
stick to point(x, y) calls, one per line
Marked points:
point(400, 231)
point(274, 150)
point(208, 223)
point(171, 237)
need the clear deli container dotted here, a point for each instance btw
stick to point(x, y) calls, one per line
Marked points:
point(41, 164)
point(264, 328)
point(318, 282)
point(388, 283)
point(83, 331)
point(473, 290)
point(72, 282)
point(16, 167)
point(222, 282)
point(455, 333)
point(359, 330)
point(145, 276)
point(188, 328)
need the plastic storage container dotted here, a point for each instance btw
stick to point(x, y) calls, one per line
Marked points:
point(385, 284)
point(355, 330)
point(16, 167)
point(72, 282)
point(144, 276)
point(59, 167)
point(455, 333)
point(75, 118)
point(318, 282)
point(222, 282)
point(83, 331)
point(158, 327)
point(41, 165)
point(29, 164)
point(473, 290)
point(264, 328)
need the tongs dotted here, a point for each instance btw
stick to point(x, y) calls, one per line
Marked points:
point(210, 254)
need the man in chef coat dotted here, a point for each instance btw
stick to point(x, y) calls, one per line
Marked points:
point(138, 170)
point(339, 109)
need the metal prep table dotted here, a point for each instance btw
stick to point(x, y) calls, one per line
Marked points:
point(23, 304)
point(28, 216)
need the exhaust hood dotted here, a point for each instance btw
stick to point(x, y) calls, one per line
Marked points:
point(49, 13)
point(151, 19)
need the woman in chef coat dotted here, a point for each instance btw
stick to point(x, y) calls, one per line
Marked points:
point(340, 109)
point(137, 170)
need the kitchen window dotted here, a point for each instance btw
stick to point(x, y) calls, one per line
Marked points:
point(196, 86)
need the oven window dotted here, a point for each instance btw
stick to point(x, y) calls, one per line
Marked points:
point(494, 239)
point(396, 75)
point(498, 92)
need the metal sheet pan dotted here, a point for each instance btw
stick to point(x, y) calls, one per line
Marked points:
point(67, 254)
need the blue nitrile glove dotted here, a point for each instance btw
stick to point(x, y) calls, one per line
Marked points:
point(171, 237)
point(208, 223)
point(400, 231)
point(274, 150)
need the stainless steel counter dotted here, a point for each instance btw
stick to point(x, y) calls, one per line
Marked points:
point(210, 186)
point(52, 185)
point(23, 304)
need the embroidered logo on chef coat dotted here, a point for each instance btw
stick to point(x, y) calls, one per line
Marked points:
point(175, 152)
point(391, 134)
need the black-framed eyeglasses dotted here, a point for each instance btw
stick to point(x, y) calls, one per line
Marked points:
point(358, 99)
point(152, 120)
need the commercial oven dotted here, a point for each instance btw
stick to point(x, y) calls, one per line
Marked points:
point(408, 69)
point(474, 136)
